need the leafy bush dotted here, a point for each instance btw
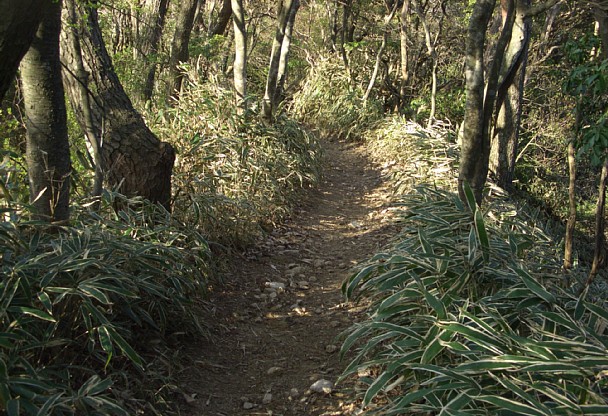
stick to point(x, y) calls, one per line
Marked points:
point(458, 325)
point(329, 103)
point(82, 305)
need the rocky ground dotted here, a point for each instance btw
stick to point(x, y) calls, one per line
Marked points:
point(276, 323)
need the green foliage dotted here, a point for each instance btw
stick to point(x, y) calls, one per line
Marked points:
point(457, 324)
point(234, 175)
point(80, 305)
point(329, 103)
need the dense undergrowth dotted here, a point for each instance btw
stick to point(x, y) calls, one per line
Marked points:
point(93, 312)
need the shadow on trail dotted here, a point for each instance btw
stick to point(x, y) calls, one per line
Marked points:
point(275, 321)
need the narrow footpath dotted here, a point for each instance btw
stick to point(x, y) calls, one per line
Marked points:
point(275, 323)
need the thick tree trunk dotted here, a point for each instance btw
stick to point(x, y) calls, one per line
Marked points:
point(48, 152)
point(505, 137)
point(240, 56)
point(135, 162)
point(475, 149)
point(179, 47)
point(285, 48)
point(19, 20)
point(571, 223)
point(268, 104)
point(156, 16)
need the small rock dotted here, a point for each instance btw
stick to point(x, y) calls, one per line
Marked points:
point(294, 393)
point(304, 285)
point(319, 263)
point(248, 405)
point(278, 286)
point(274, 370)
point(330, 349)
point(335, 324)
point(267, 398)
point(322, 386)
point(273, 295)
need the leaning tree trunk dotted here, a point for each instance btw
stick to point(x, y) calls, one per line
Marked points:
point(19, 22)
point(48, 151)
point(223, 17)
point(505, 138)
point(134, 161)
point(268, 104)
point(285, 48)
point(240, 54)
point(179, 46)
point(475, 149)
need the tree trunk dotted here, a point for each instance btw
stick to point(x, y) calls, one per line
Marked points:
point(475, 149)
point(571, 223)
point(223, 17)
point(403, 36)
point(156, 17)
point(240, 56)
point(285, 47)
point(600, 238)
point(505, 137)
point(134, 161)
point(19, 22)
point(268, 104)
point(179, 47)
point(48, 151)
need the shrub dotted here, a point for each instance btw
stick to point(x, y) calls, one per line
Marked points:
point(81, 305)
point(458, 325)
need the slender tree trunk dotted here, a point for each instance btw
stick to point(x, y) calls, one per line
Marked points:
point(223, 17)
point(600, 212)
point(240, 57)
point(179, 45)
point(285, 48)
point(19, 20)
point(151, 45)
point(475, 149)
point(135, 162)
point(372, 79)
point(505, 138)
point(48, 152)
point(344, 36)
point(268, 104)
point(403, 36)
point(571, 223)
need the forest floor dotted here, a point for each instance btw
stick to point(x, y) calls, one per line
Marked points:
point(276, 320)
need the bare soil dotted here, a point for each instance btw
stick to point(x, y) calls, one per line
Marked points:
point(268, 346)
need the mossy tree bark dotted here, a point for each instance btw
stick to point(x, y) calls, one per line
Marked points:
point(48, 152)
point(135, 161)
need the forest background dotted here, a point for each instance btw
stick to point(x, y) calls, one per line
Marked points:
point(158, 137)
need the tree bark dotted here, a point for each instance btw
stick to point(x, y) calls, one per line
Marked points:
point(268, 104)
point(600, 238)
point(223, 17)
point(403, 50)
point(475, 149)
point(505, 138)
point(19, 22)
point(179, 46)
point(48, 151)
point(571, 223)
point(156, 17)
point(285, 48)
point(240, 56)
point(134, 161)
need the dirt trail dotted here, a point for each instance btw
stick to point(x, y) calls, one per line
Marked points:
point(270, 345)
